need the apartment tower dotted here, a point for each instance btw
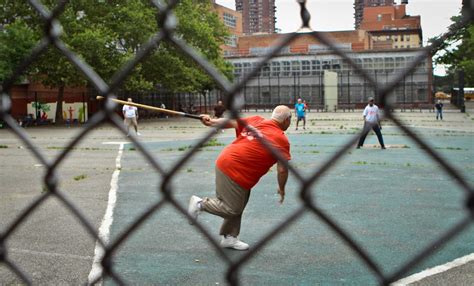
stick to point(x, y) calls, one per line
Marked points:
point(359, 6)
point(258, 16)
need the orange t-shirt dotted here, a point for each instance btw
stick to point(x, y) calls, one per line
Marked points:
point(246, 160)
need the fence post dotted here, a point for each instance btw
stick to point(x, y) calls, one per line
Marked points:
point(349, 87)
point(461, 92)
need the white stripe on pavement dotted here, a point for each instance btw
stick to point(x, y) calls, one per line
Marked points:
point(435, 270)
point(104, 229)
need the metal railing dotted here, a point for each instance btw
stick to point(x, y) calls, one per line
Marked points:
point(51, 38)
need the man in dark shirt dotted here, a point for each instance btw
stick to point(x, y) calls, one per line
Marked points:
point(219, 109)
point(439, 109)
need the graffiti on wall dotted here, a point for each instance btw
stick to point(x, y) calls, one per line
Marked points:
point(72, 112)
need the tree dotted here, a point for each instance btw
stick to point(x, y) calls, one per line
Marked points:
point(17, 35)
point(460, 57)
point(106, 34)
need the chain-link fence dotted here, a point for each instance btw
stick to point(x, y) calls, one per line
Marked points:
point(232, 94)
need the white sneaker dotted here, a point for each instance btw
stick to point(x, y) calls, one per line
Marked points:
point(139, 134)
point(193, 208)
point(233, 242)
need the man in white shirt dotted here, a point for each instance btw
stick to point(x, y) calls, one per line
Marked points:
point(371, 121)
point(130, 115)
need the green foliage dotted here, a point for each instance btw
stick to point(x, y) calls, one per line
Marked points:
point(16, 41)
point(460, 57)
point(106, 35)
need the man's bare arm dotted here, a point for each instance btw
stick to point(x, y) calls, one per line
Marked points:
point(282, 176)
point(214, 122)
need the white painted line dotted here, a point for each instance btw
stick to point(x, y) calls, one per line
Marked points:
point(435, 270)
point(114, 143)
point(50, 254)
point(104, 229)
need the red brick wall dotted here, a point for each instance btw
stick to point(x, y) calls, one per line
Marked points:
point(18, 95)
point(358, 39)
point(391, 16)
point(22, 95)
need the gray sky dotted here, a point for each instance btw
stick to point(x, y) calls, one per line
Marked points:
point(337, 15)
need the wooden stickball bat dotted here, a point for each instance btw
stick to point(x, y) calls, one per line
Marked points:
point(149, 107)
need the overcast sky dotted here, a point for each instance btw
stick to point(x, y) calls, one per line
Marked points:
point(337, 15)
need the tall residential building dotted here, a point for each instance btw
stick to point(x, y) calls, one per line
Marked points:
point(359, 6)
point(390, 27)
point(233, 21)
point(258, 16)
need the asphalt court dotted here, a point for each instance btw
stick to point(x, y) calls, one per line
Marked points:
point(393, 203)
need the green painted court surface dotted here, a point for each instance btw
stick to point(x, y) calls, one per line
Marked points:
point(393, 203)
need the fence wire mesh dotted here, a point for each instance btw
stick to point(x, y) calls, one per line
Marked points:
point(51, 37)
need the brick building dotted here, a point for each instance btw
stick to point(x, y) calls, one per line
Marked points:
point(233, 21)
point(258, 16)
point(390, 27)
point(387, 41)
point(359, 6)
point(299, 70)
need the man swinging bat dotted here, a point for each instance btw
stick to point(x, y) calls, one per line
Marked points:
point(240, 166)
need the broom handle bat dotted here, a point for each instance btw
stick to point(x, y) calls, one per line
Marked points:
point(149, 107)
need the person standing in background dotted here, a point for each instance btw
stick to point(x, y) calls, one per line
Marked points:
point(439, 110)
point(130, 115)
point(219, 109)
point(371, 121)
point(300, 112)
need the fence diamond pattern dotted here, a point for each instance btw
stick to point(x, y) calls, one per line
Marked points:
point(52, 38)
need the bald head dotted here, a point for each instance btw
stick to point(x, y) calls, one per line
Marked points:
point(282, 115)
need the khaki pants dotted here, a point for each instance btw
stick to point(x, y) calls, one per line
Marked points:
point(229, 203)
point(129, 121)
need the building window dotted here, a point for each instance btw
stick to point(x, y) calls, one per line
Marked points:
point(389, 64)
point(326, 65)
point(266, 70)
point(295, 68)
point(306, 67)
point(368, 63)
point(399, 62)
point(275, 68)
point(247, 68)
point(286, 68)
point(237, 69)
point(378, 63)
point(230, 20)
point(315, 66)
point(231, 41)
